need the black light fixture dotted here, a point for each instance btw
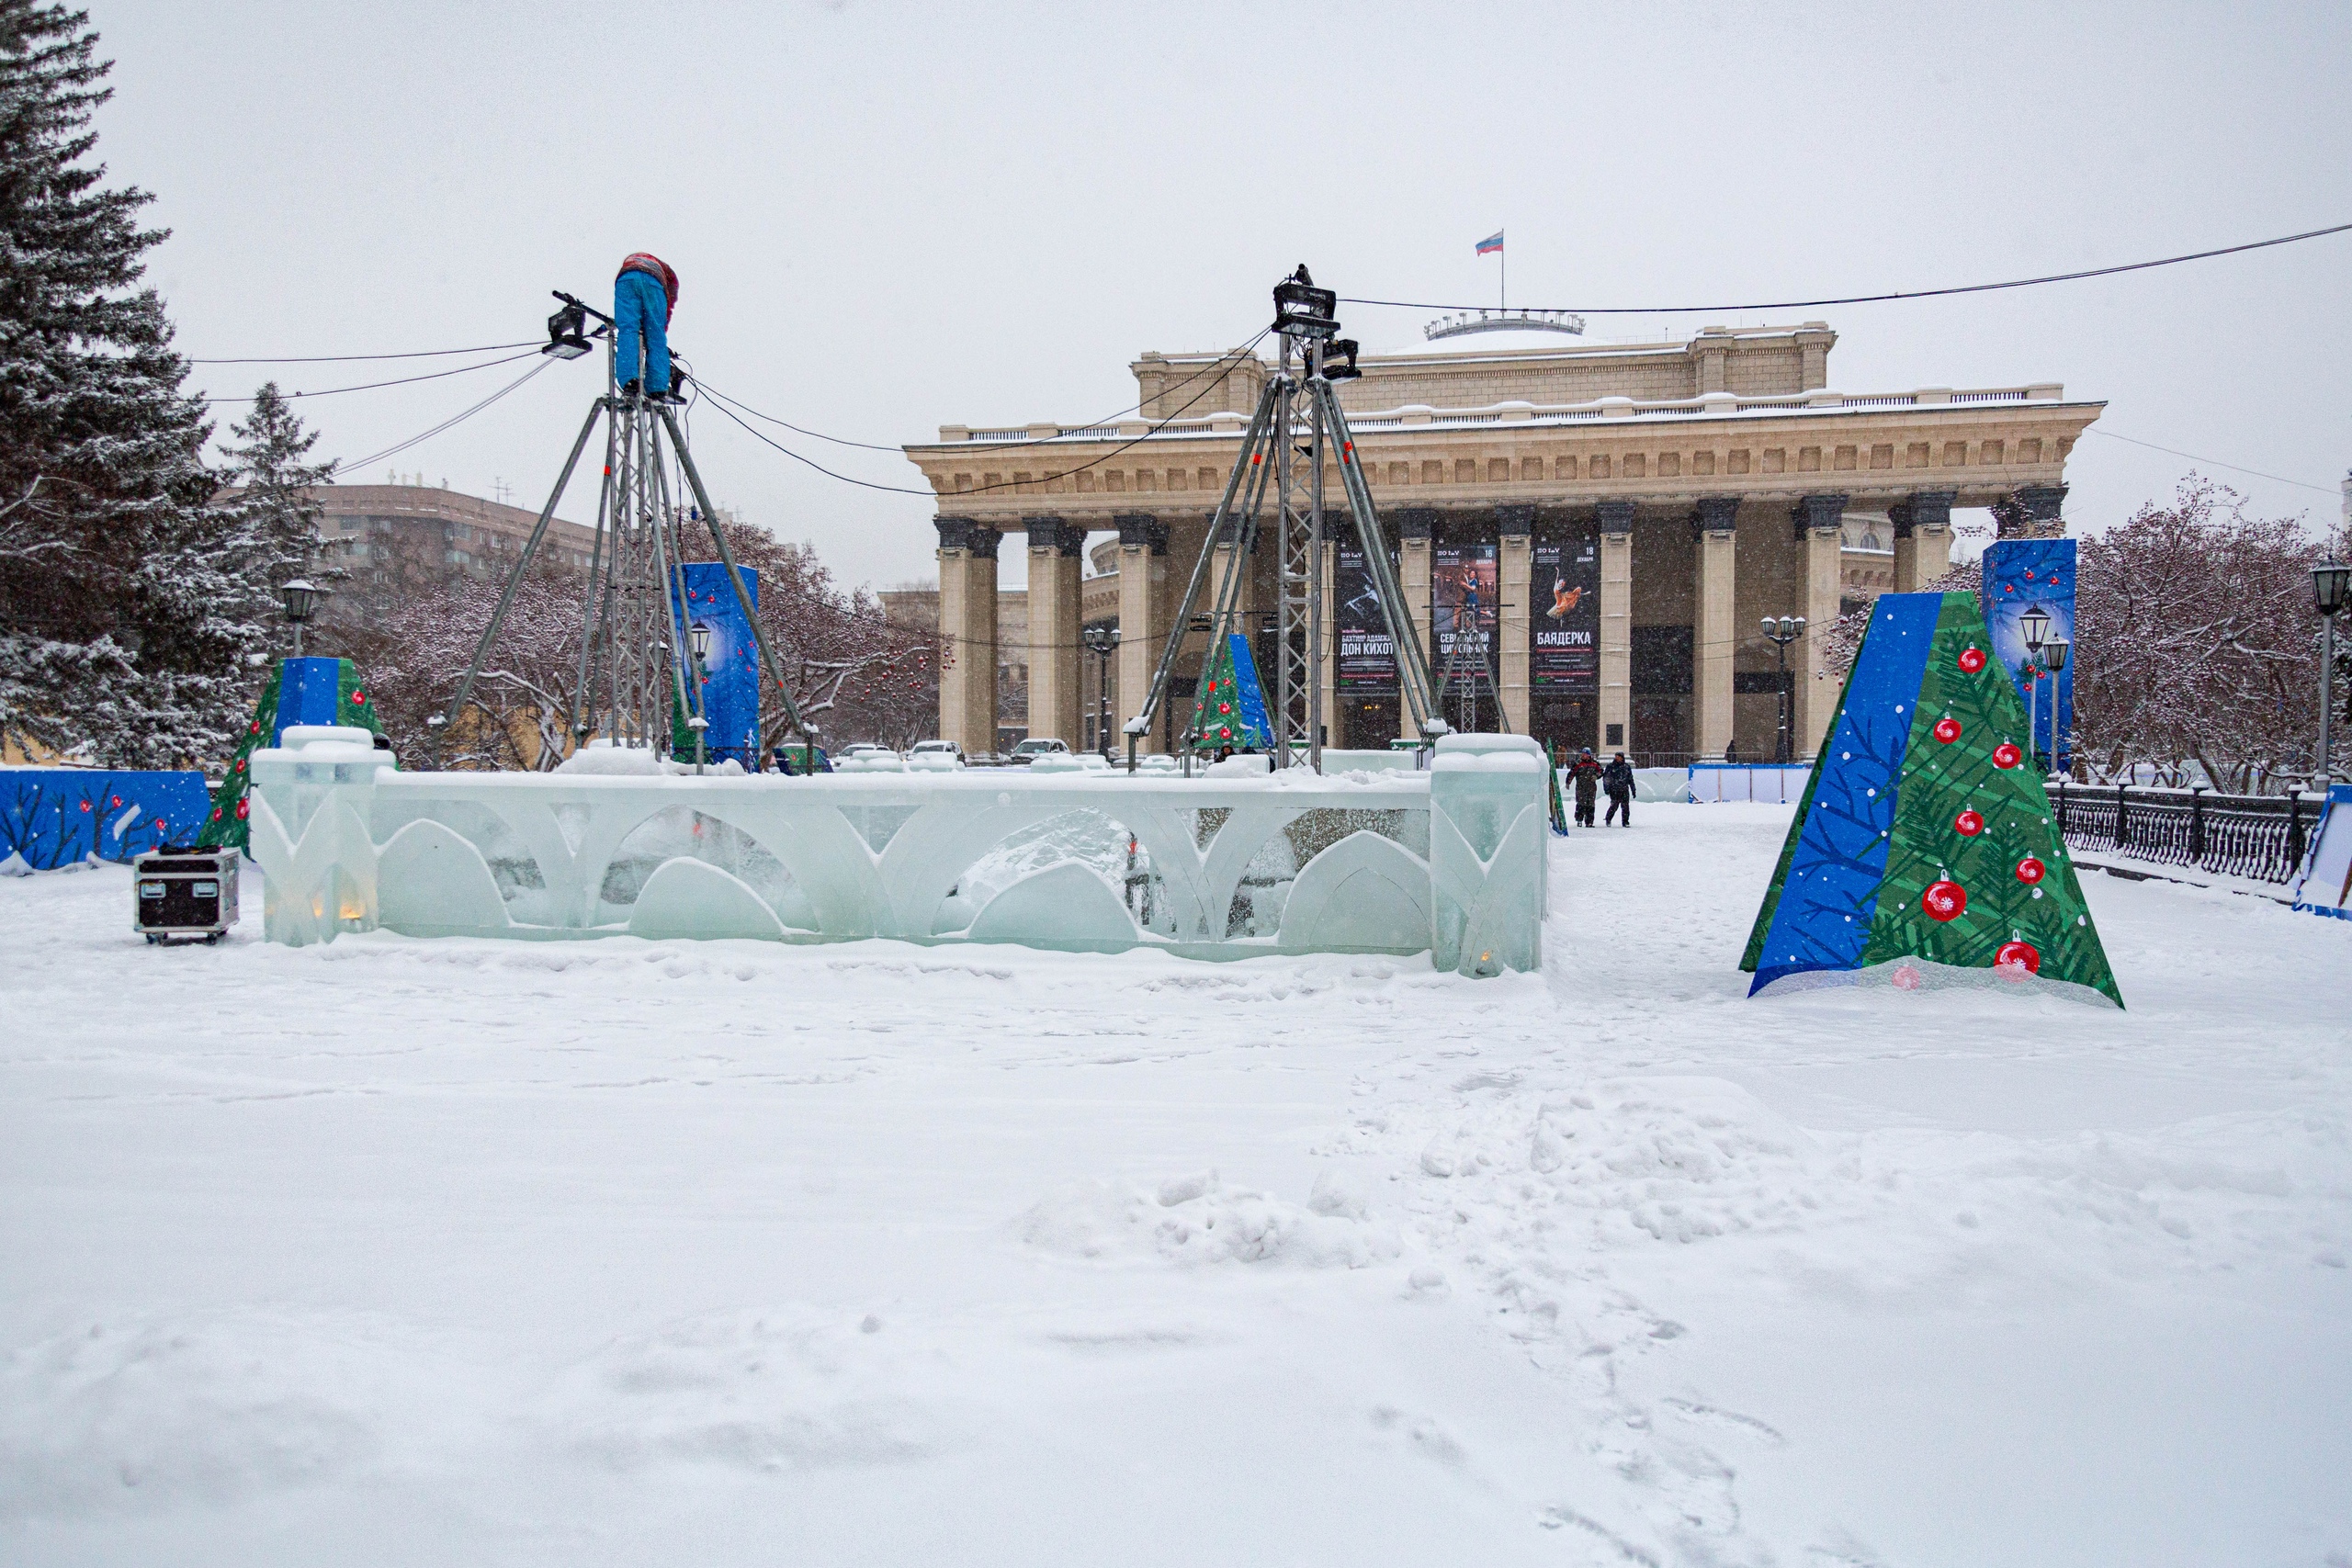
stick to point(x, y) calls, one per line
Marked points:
point(1781, 631)
point(1301, 310)
point(2053, 654)
point(1340, 360)
point(300, 598)
point(2331, 587)
point(568, 329)
point(2035, 625)
point(698, 635)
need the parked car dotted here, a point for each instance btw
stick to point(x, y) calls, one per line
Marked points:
point(934, 749)
point(866, 749)
point(1027, 751)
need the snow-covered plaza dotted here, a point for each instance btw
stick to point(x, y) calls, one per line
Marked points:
point(618, 1252)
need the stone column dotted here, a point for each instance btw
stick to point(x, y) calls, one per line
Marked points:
point(1416, 526)
point(1515, 587)
point(1814, 342)
point(1054, 654)
point(2042, 506)
point(1819, 520)
point(1142, 616)
point(966, 633)
point(1616, 625)
point(1713, 631)
point(1922, 538)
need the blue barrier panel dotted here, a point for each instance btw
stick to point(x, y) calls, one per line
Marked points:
point(730, 692)
point(54, 817)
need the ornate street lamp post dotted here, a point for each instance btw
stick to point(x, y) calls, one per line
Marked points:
point(300, 598)
point(2053, 662)
point(2035, 625)
point(2331, 592)
point(698, 641)
point(1102, 642)
point(1781, 632)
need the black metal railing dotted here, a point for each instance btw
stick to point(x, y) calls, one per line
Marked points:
point(2256, 836)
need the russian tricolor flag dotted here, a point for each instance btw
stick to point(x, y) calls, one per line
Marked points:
point(1492, 245)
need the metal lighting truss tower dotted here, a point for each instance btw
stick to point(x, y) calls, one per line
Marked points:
point(1297, 430)
point(630, 633)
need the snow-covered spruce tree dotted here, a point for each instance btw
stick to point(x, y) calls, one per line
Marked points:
point(104, 526)
point(272, 518)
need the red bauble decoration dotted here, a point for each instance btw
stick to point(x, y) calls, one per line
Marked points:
point(1968, 824)
point(2006, 756)
point(2021, 954)
point(257, 727)
point(1972, 660)
point(1944, 900)
point(242, 807)
point(85, 806)
point(2031, 871)
point(1224, 708)
point(1947, 731)
point(359, 699)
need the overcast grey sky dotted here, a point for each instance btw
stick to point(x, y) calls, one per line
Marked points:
point(891, 216)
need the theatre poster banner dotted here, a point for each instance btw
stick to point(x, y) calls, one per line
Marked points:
point(1462, 600)
point(1564, 629)
point(1367, 653)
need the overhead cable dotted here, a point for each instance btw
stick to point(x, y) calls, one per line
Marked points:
point(1878, 298)
point(1217, 362)
point(394, 451)
point(405, 381)
point(348, 358)
point(726, 405)
point(2211, 462)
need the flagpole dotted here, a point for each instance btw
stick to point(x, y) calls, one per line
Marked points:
point(1502, 257)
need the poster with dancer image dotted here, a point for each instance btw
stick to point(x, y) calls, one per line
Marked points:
point(1462, 600)
point(1367, 653)
point(1564, 624)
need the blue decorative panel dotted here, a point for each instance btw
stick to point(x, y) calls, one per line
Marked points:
point(1247, 687)
point(1823, 918)
point(306, 693)
point(730, 692)
point(55, 817)
point(2020, 574)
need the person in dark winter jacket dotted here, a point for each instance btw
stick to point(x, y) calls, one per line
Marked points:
point(644, 295)
point(1618, 778)
point(1585, 773)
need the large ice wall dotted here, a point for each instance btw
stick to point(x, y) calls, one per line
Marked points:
point(1449, 860)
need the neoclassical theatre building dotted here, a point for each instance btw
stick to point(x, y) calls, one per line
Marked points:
point(1606, 525)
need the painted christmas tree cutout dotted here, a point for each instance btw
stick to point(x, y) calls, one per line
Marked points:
point(224, 825)
point(1924, 853)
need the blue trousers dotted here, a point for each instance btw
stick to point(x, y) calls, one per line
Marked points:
point(640, 305)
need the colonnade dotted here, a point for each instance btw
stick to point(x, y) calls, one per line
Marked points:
point(1722, 563)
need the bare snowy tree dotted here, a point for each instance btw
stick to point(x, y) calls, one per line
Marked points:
point(2196, 647)
point(520, 706)
point(2196, 642)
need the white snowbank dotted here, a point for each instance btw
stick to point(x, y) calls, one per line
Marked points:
point(450, 1251)
point(1197, 1220)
